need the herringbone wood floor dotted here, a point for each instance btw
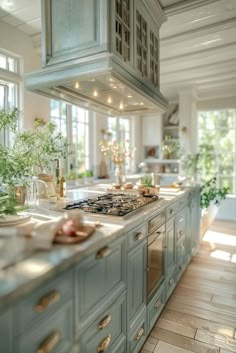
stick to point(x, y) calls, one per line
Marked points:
point(200, 316)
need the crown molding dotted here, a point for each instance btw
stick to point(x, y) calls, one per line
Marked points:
point(198, 32)
point(200, 54)
point(186, 5)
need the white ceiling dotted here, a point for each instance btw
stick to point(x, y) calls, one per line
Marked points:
point(198, 43)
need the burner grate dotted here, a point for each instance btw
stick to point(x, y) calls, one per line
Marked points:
point(112, 204)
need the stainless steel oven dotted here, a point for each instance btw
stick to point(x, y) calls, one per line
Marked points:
point(155, 260)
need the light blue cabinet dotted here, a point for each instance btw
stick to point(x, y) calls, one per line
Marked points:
point(170, 246)
point(155, 307)
point(6, 334)
point(136, 281)
point(107, 330)
point(100, 304)
point(54, 334)
point(99, 279)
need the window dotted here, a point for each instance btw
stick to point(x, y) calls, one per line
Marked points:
point(121, 132)
point(9, 87)
point(217, 130)
point(73, 123)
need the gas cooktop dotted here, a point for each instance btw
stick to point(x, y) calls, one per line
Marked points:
point(112, 204)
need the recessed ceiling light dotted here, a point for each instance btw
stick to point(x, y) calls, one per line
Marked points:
point(109, 100)
point(130, 96)
point(77, 85)
point(95, 93)
point(141, 103)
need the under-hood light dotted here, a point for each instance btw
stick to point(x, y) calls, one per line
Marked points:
point(121, 106)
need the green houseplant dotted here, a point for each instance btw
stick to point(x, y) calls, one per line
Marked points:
point(198, 167)
point(15, 164)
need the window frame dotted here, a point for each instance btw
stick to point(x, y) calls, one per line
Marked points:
point(218, 152)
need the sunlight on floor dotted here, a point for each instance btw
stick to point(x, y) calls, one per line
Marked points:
point(220, 238)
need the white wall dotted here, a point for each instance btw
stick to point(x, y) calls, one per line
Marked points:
point(20, 44)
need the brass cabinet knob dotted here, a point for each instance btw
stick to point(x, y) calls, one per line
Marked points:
point(47, 300)
point(103, 252)
point(105, 343)
point(104, 322)
point(139, 236)
point(50, 343)
point(139, 334)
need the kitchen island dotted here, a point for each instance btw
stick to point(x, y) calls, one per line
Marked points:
point(104, 294)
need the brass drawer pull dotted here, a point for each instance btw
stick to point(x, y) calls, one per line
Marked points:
point(139, 236)
point(104, 322)
point(103, 346)
point(157, 304)
point(49, 344)
point(45, 302)
point(139, 334)
point(171, 282)
point(103, 253)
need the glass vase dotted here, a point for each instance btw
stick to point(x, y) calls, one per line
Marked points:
point(119, 174)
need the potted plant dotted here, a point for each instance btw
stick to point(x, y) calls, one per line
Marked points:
point(15, 159)
point(47, 146)
point(210, 198)
point(146, 187)
point(170, 148)
point(197, 168)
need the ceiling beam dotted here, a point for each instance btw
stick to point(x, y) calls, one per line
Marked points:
point(185, 5)
point(198, 32)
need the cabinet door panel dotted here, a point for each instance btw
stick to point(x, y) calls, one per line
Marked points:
point(98, 276)
point(137, 278)
point(6, 332)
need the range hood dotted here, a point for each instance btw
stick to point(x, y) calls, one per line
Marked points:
point(95, 78)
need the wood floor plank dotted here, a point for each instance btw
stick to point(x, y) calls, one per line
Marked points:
point(222, 350)
point(227, 311)
point(200, 316)
point(197, 322)
point(192, 293)
point(176, 327)
point(216, 340)
point(221, 300)
point(202, 313)
point(163, 347)
point(183, 342)
point(206, 289)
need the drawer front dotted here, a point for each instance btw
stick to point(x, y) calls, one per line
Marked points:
point(170, 284)
point(138, 334)
point(176, 207)
point(97, 277)
point(170, 211)
point(156, 221)
point(44, 301)
point(107, 330)
point(54, 335)
point(137, 235)
point(155, 307)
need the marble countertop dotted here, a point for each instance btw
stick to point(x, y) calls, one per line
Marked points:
point(32, 269)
